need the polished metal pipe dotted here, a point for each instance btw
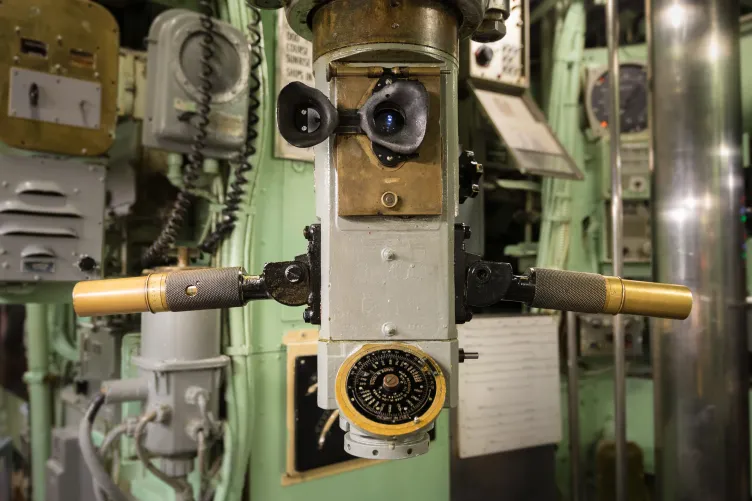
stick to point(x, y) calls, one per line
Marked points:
point(573, 407)
point(700, 364)
point(614, 129)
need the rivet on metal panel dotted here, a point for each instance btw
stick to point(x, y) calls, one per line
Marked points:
point(6, 265)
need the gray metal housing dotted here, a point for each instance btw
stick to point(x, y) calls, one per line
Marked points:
point(180, 352)
point(51, 219)
point(173, 85)
point(68, 477)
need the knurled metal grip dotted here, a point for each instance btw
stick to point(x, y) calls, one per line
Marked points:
point(204, 289)
point(568, 290)
point(592, 293)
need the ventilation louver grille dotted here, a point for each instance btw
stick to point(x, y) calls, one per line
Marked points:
point(51, 214)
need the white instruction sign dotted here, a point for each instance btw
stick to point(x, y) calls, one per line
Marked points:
point(294, 63)
point(510, 396)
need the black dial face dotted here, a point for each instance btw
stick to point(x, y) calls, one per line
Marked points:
point(633, 98)
point(392, 386)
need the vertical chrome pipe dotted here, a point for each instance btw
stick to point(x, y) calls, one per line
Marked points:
point(614, 128)
point(700, 364)
point(573, 407)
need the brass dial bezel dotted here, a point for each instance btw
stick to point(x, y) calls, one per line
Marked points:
point(380, 429)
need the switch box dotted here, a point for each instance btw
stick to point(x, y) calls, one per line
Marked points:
point(174, 85)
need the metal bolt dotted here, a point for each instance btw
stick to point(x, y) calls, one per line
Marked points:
point(60, 39)
point(468, 355)
point(37, 277)
point(6, 265)
point(308, 315)
point(389, 199)
point(388, 81)
point(191, 290)
point(294, 273)
point(303, 112)
point(16, 59)
point(96, 75)
point(389, 158)
point(416, 420)
point(389, 329)
point(395, 26)
point(388, 254)
point(483, 273)
point(18, 29)
point(83, 151)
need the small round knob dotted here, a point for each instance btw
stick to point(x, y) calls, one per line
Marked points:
point(87, 264)
point(484, 55)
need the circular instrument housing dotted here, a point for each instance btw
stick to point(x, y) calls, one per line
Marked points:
point(633, 98)
point(390, 390)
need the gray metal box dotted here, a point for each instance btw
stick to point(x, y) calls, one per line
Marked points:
point(51, 217)
point(68, 477)
point(173, 83)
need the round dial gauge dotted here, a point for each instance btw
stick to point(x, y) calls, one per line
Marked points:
point(633, 98)
point(390, 389)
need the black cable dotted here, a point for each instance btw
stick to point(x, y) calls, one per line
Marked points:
point(156, 254)
point(237, 187)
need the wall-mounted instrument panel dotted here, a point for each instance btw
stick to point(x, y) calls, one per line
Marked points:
point(506, 61)
point(58, 78)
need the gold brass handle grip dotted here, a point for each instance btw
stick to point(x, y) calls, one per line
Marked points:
point(593, 293)
point(120, 296)
point(183, 290)
point(648, 299)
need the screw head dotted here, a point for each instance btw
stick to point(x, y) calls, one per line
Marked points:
point(482, 273)
point(308, 315)
point(389, 329)
point(294, 273)
point(389, 199)
point(388, 254)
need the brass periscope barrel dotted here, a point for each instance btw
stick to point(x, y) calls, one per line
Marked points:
point(593, 293)
point(184, 290)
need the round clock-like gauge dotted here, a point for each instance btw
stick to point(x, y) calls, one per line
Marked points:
point(633, 98)
point(390, 390)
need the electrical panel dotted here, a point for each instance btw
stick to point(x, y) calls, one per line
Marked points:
point(51, 217)
point(597, 335)
point(506, 61)
point(58, 78)
point(175, 85)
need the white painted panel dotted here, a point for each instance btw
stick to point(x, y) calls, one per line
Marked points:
point(294, 64)
point(509, 398)
point(59, 100)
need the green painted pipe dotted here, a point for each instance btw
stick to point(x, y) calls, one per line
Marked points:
point(39, 395)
